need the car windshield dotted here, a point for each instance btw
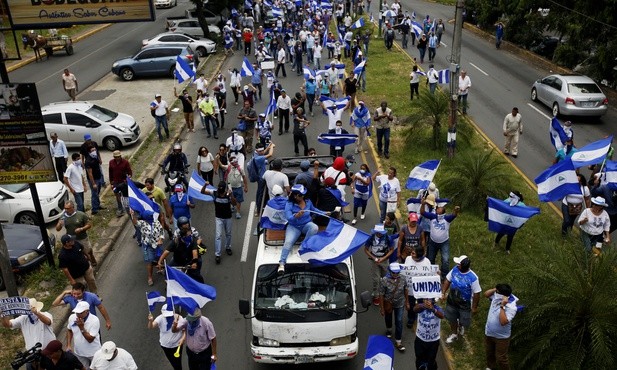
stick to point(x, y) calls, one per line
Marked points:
point(15, 188)
point(305, 290)
point(584, 88)
point(102, 114)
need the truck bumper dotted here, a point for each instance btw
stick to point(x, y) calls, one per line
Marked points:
point(301, 355)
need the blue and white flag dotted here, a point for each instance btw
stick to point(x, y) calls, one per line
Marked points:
point(421, 176)
point(234, 13)
point(610, 174)
point(248, 4)
point(332, 245)
point(413, 15)
point(361, 117)
point(308, 71)
point(325, 4)
point(273, 214)
point(183, 70)
point(414, 205)
point(272, 105)
point(334, 104)
point(229, 41)
point(139, 201)
point(154, 298)
point(557, 181)
point(506, 219)
point(247, 68)
point(389, 14)
point(360, 67)
point(357, 24)
point(298, 2)
point(277, 12)
point(443, 76)
point(379, 353)
point(592, 153)
point(196, 183)
point(372, 19)
point(557, 133)
point(187, 292)
point(340, 70)
point(337, 139)
point(417, 28)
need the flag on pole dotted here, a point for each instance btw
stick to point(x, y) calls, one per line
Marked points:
point(592, 153)
point(506, 219)
point(154, 298)
point(558, 134)
point(332, 245)
point(357, 24)
point(443, 76)
point(557, 181)
point(325, 4)
point(360, 67)
point(139, 202)
point(247, 68)
point(187, 292)
point(183, 70)
point(273, 214)
point(421, 176)
point(272, 106)
point(308, 71)
point(334, 104)
point(196, 183)
point(277, 12)
point(379, 353)
point(248, 4)
point(417, 28)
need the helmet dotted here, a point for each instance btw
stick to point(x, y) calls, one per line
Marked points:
point(177, 146)
point(182, 220)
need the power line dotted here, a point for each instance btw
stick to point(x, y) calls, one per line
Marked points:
point(581, 14)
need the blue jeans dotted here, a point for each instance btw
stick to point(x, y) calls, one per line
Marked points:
point(432, 87)
point(209, 120)
point(462, 99)
point(292, 234)
point(383, 206)
point(161, 121)
point(422, 52)
point(261, 185)
point(444, 247)
point(398, 322)
point(222, 224)
point(79, 201)
point(94, 195)
point(383, 134)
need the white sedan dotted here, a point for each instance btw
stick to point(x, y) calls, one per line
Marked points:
point(16, 203)
point(202, 46)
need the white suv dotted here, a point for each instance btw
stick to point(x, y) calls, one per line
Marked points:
point(72, 120)
point(16, 205)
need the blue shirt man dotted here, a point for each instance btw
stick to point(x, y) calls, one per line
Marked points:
point(181, 203)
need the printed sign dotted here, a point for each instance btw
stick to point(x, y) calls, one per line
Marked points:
point(409, 271)
point(24, 148)
point(38, 14)
point(12, 306)
point(426, 286)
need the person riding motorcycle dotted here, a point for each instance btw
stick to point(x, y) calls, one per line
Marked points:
point(176, 164)
point(187, 249)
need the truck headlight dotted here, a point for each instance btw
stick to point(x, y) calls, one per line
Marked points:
point(341, 341)
point(268, 342)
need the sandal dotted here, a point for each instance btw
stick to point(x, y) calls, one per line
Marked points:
point(400, 347)
point(150, 282)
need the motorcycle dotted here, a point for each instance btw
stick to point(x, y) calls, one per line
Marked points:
point(174, 177)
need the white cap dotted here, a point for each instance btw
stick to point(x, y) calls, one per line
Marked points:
point(277, 190)
point(82, 306)
point(108, 349)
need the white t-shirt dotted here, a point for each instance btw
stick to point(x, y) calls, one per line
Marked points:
point(122, 361)
point(281, 56)
point(201, 84)
point(283, 102)
point(205, 162)
point(161, 108)
point(167, 338)
point(595, 225)
point(388, 188)
point(74, 174)
point(275, 178)
point(34, 333)
point(429, 325)
point(81, 346)
point(577, 198)
point(463, 85)
point(317, 52)
point(70, 82)
point(414, 265)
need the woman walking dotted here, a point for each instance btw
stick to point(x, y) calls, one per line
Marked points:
point(205, 164)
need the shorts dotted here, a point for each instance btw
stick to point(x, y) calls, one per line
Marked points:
point(151, 255)
point(238, 194)
point(453, 314)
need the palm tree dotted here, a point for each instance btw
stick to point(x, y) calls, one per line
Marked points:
point(474, 176)
point(570, 321)
point(432, 110)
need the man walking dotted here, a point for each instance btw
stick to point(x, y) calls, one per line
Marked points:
point(75, 182)
point(462, 299)
point(223, 201)
point(187, 108)
point(119, 169)
point(110, 357)
point(200, 340)
point(299, 131)
point(378, 248)
point(74, 264)
point(77, 223)
point(69, 83)
point(281, 58)
point(433, 42)
point(283, 105)
point(95, 178)
point(499, 326)
point(512, 129)
point(361, 122)
point(161, 113)
point(60, 154)
point(82, 335)
point(383, 117)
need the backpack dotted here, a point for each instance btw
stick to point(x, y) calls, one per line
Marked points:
point(252, 170)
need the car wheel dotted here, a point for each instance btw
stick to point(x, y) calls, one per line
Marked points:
point(555, 109)
point(201, 52)
point(112, 143)
point(534, 94)
point(26, 218)
point(127, 74)
point(172, 71)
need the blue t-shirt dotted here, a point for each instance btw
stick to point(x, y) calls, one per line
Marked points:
point(462, 287)
point(92, 299)
point(310, 87)
point(256, 78)
point(292, 208)
point(261, 163)
point(179, 207)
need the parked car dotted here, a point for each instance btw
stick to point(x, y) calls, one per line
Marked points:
point(546, 46)
point(191, 27)
point(26, 248)
point(16, 205)
point(165, 3)
point(72, 120)
point(155, 60)
point(570, 95)
point(202, 46)
point(215, 14)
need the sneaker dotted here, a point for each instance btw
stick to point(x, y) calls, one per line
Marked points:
point(228, 251)
point(388, 333)
point(119, 213)
point(400, 347)
point(238, 216)
point(353, 222)
point(362, 216)
point(217, 259)
point(376, 301)
point(451, 338)
point(281, 269)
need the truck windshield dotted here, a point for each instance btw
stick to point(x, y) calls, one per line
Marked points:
point(303, 293)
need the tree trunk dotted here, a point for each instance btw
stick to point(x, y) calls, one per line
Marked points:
point(199, 9)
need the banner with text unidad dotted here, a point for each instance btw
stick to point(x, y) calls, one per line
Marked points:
point(426, 286)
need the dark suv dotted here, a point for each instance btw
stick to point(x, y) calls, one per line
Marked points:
point(155, 60)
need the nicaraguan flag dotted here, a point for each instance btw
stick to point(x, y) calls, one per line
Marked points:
point(389, 14)
point(247, 68)
point(332, 245)
point(360, 67)
point(413, 205)
point(195, 184)
point(361, 116)
point(308, 72)
point(443, 76)
point(357, 24)
point(234, 13)
point(417, 28)
point(610, 174)
point(273, 215)
point(183, 70)
point(592, 153)
point(139, 201)
point(506, 219)
point(557, 181)
point(154, 298)
point(334, 104)
point(272, 105)
point(337, 139)
point(229, 41)
point(422, 175)
point(379, 353)
point(277, 12)
point(557, 133)
point(187, 292)
point(326, 4)
point(248, 4)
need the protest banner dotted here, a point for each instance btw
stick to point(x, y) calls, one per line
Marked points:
point(426, 286)
point(14, 306)
point(409, 271)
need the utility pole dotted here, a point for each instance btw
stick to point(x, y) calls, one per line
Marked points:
point(455, 59)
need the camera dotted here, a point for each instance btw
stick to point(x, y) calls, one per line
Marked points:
point(31, 355)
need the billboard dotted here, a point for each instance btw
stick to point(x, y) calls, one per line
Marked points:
point(38, 14)
point(24, 147)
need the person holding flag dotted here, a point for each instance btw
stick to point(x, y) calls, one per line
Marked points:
point(515, 199)
point(200, 339)
point(361, 188)
point(170, 342)
point(394, 298)
point(151, 240)
point(361, 122)
point(185, 247)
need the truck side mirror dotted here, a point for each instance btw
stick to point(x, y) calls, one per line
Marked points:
point(243, 306)
point(365, 299)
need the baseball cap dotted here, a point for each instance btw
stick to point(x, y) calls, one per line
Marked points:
point(395, 267)
point(299, 188)
point(165, 312)
point(52, 347)
point(179, 188)
point(379, 229)
point(157, 95)
point(463, 260)
point(66, 238)
point(413, 217)
point(87, 137)
point(277, 190)
point(305, 164)
point(195, 316)
point(82, 306)
point(431, 188)
point(351, 158)
point(108, 349)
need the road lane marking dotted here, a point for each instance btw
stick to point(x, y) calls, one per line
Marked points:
point(478, 68)
point(539, 111)
point(247, 233)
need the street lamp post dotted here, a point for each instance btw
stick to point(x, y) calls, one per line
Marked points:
point(455, 58)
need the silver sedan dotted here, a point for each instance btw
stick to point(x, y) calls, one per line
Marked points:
point(202, 46)
point(570, 95)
